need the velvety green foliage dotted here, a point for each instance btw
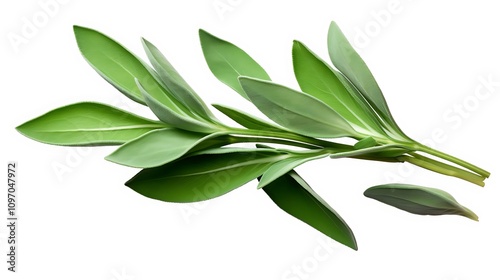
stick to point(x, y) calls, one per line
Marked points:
point(419, 200)
point(318, 79)
point(176, 85)
point(171, 114)
point(292, 109)
point(87, 123)
point(189, 155)
point(203, 176)
point(228, 62)
point(113, 62)
point(292, 194)
point(158, 147)
point(348, 61)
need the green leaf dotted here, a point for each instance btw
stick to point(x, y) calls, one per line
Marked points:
point(176, 85)
point(87, 123)
point(296, 110)
point(203, 176)
point(419, 200)
point(174, 116)
point(227, 62)
point(114, 62)
point(318, 79)
point(158, 147)
point(282, 167)
point(292, 194)
point(246, 120)
point(365, 143)
point(348, 61)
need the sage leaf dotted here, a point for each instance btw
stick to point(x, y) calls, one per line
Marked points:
point(87, 123)
point(204, 176)
point(292, 194)
point(316, 78)
point(172, 116)
point(113, 62)
point(227, 62)
point(282, 167)
point(419, 200)
point(245, 119)
point(350, 63)
point(158, 147)
point(176, 85)
point(296, 110)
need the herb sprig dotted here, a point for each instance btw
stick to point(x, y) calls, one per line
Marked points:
point(187, 154)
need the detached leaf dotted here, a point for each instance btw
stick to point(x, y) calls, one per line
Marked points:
point(158, 147)
point(204, 176)
point(87, 123)
point(419, 200)
point(176, 85)
point(348, 61)
point(173, 115)
point(318, 79)
point(296, 110)
point(245, 119)
point(227, 62)
point(292, 194)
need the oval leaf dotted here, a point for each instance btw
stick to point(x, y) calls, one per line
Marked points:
point(158, 147)
point(112, 61)
point(348, 61)
point(87, 123)
point(173, 117)
point(316, 78)
point(292, 194)
point(245, 119)
point(204, 176)
point(419, 200)
point(177, 86)
point(227, 62)
point(296, 110)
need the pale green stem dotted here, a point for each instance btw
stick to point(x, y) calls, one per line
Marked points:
point(448, 170)
point(455, 160)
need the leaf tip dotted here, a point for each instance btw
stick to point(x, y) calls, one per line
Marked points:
point(470, 214)
point(203, 34)
point(354, 245)
point(145, 42)
point(296, 43)
point(77, 28)
point(261, 185)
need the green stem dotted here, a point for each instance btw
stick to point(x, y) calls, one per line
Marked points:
point(342, 150)
point(250, 139)
point(455, 160)
point(291, 136)
point(444, 169)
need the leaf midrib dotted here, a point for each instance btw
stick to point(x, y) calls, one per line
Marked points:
point(128, 127)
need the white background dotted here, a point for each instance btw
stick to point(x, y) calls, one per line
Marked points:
point(429, 58)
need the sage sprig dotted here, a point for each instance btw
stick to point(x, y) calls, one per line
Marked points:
point(188, 155)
